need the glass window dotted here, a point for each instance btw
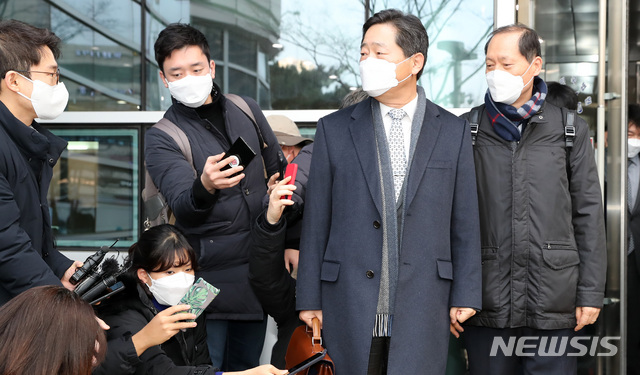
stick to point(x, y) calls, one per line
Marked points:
point(158, 96)
point(242, 83)
point(94, 191)
point(170, 10)
point(263, 65)
point(214, 34)
point(120, 17)
point(88, 98)
point(242, 51)
point(264, 96)
point(98, 65)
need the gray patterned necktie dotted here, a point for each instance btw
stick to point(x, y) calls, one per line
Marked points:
point(396, 149)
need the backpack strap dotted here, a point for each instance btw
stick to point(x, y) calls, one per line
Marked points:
point(244, 107)
point(155, 204)
point(474, 124)
point(568, 121)
point(179, 137)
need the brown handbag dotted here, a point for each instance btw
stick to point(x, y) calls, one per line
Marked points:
point(304, 343)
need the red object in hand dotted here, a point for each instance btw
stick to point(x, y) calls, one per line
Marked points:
point(292, 170)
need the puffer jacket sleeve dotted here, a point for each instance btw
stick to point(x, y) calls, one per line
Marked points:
point(121, 357)
point(121, 354)
point(21, 266)
point(175, 177)
point(272, 284)
point(588, 220)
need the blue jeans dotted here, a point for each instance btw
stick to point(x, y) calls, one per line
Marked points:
point(235, 345)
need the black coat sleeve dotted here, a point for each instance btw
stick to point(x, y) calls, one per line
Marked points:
point(121, 354)
point(270, 281)
point(294, 227)
point(588, 220)
point(174, 177)
point(21, 266)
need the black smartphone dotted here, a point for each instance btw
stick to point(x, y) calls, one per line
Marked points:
point(307, 362)
point(282, 164)
point(241, 153)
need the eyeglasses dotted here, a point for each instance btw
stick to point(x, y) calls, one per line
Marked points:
point(55, 75)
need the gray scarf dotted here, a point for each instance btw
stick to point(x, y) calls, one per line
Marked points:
point(392, 220)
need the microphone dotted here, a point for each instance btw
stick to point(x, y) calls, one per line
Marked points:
point(89, 265)
point(87, 283)
point(108, 277)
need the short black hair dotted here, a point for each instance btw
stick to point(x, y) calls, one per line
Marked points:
point(411, 36)
point(528, 44)
point(177, 36)
point(157, 249)
point(22, 45)
point(634, 114)
point(561, 95)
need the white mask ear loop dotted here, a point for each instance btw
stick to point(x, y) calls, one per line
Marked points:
point(410, 74)
point(525, 72)
point(151, 280)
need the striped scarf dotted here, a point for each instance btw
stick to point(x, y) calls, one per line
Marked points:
point(505, 118)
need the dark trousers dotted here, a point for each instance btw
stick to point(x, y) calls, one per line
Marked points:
point(379, 356)
point(479, 342)
point(633, 324)
point(235, 345)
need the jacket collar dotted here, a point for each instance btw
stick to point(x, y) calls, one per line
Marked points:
point(34, 141)
point(363, 137)
point(191, 112)
point(424, 148)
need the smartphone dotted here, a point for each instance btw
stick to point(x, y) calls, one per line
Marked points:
point(241, 152)
point(282, 164)
point(199, 296)
point(292, 170)
point(307, 362)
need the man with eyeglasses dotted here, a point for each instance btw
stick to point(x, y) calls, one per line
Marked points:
point(29, 89)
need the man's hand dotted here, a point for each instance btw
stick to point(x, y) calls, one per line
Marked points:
point(291, 257)
point(459, 315)
point(102, 324)
point(162, 327)
point(68, 273)
point(586, 315)
point(308, 315)
point(276, 204)
point(260, 370)
point(272, 182)
point(214, 179)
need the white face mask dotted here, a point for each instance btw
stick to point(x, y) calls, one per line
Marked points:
point(633, 147)
point(170, 289)
point(379, 76)
point(48, 101)
point(505, 87)
point(191, 91)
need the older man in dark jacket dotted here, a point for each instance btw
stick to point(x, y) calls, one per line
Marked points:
point(542, 231)
point(215, 208)
point(28, 153)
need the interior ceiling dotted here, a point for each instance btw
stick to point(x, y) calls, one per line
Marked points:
point(570, 29)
